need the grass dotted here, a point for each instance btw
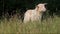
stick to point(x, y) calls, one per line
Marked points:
point(15, 26)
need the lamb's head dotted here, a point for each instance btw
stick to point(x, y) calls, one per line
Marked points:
point(41, 7)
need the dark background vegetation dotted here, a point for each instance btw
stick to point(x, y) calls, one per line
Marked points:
point(10, 6)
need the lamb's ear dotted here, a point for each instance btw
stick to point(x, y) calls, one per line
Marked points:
point(45, 3)
point(37, 7)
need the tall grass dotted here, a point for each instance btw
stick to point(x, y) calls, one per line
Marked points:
point(15, 26)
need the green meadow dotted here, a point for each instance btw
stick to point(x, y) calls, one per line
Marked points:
point(15, 26)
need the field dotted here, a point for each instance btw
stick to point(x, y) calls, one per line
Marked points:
point(15, 26)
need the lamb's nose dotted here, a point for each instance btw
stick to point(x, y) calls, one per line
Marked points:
point(46, 6)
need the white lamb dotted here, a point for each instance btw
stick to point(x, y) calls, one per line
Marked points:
point(35, 14)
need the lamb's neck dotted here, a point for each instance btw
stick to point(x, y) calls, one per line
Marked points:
point(38, 12)
point(35, 9)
